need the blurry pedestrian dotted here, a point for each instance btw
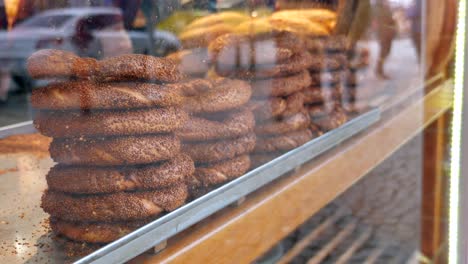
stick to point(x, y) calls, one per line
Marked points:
point(386, 32)
point(414, 15)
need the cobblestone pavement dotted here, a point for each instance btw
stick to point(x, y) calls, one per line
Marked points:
point(386, 203)
point(389, 197)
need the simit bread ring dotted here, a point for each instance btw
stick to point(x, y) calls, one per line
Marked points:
point(114, 207)
point(227, 94)
point(283, 142)
point(224, 125)
point(114, 150)
point(315, 95)
point(49, 63)
point(247, 53)
point(326, 78)
point(193, 62)
point(220, 172)
point(330, 44)
point(321, 109)
point(328, 62)
point(282, 86)
point(278, 107)
point(131, 67)
point(230, 48)
point(93, 180)
point(207, 177)
point(220, 150)
point(356, 107)
point(273, 107)
point(267, 109)
point(291, 123)
point(196, 86)
point(331, 121)
point(296, 64)
point(109, 123)
point(258, 159)
point(91, 95)
point(95, 232)
point(295, 104)
point(201, 37)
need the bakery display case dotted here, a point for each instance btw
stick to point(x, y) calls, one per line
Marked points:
point(232, 131)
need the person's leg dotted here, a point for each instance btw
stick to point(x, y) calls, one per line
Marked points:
point(385, 48)
point(416, 37)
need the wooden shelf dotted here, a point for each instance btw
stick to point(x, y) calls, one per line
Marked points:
point(239, 234)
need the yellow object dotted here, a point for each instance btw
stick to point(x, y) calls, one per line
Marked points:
point(324, 17)
point(178, 21)
point(11, 10)
point(229, 18)
point(300, 26)
point(254, 27)
point(201, 37)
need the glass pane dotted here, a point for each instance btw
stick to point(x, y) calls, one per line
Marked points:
point(330, 118)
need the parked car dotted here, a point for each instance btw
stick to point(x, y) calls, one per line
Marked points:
point(95, 32)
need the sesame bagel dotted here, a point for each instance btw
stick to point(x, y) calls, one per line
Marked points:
point(92, 95)
point(227, 94)
point(315, 95)
point(201, 37)
point(326, 78)
point(331, 121)
point(212, 151)
point(283, 142)
point(277, 107)
point(109, 123)
point(220, 125)
point(282, 86)
point(331, 44)
point(294, 122)
point(296, 64)
point(219, 172)
point(132, 67)
point(97, 232)
point(196, 86)
point(266, 109)
point(321, 109)
point(244, 52)
point(328, 62)
point(50, 63)
point(94, 180)
point(114, 207)
point(294, 104)
point(194, 62)
point(258, 159)
point(233, 47)
point(114, 150)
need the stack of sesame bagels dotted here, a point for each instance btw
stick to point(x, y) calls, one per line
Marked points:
point(324, 96)
point(218, 135)
point(275, 62)
point(119, 163)
point(359, 89)
point(328, 67)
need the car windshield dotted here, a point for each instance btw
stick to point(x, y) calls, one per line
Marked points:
point(45, 21)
